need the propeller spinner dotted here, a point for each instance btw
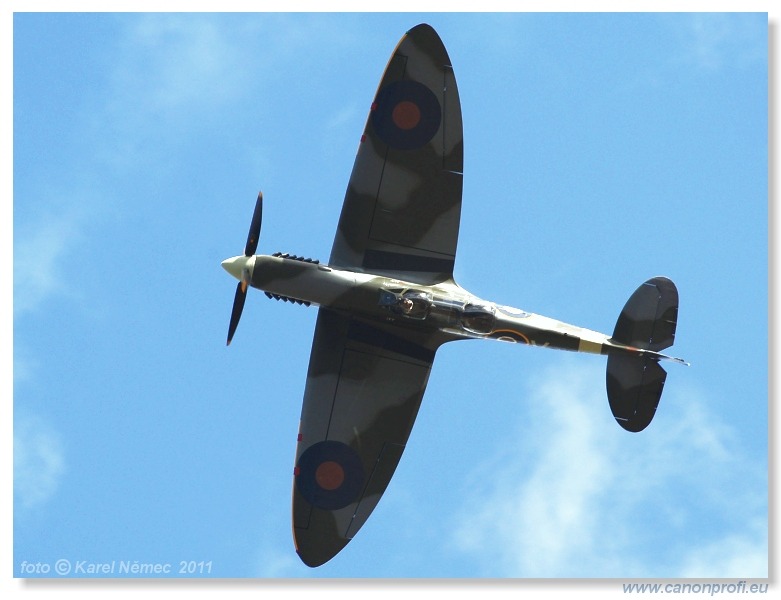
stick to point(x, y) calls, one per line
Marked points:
point(241, 267)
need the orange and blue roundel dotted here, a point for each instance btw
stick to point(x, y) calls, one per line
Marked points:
point(406, 115)
point(329, 475)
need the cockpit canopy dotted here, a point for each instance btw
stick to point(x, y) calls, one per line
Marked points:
point(478, 318)
point(411, 304)
point(473, 318)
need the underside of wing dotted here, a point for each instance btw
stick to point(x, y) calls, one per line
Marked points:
point(402, 208)
point(364, 387)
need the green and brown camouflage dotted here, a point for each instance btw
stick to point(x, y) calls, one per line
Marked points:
point(387, 301)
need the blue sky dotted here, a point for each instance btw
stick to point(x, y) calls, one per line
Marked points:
point(600, 150)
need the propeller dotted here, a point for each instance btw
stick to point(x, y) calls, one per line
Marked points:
point(232, 265)
point(254, 228)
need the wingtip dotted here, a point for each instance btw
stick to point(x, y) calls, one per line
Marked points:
point(315, 548)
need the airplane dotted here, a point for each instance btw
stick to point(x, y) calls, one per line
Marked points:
point(387, 301)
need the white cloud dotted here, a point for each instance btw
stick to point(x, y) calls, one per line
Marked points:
point(175, 61)
point(275, 564)
point(39, 462)
point(39, 251)
point(344, 115)
point(714, 40)
point(171, 78)
point(168, 67)
point(744, 551)
point(579, 497)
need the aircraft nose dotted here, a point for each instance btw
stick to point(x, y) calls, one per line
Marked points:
point(236, 265)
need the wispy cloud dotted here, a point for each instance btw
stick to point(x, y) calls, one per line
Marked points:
point(714, 40)
point(39, 251)
point(578, 497)
point(175, 62)
point(162, 67)
point(743, 551)
point(278, 564)
point(39, 462)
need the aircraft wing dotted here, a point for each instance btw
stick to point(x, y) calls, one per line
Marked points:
point(363, 391)
point(402, 209)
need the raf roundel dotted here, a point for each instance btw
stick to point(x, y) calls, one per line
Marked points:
point(406, 115)
point(330, 475)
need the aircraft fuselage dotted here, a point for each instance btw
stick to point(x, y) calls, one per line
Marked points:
point(444, 308)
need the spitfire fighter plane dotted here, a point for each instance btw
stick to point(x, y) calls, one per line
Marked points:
point(387, 301)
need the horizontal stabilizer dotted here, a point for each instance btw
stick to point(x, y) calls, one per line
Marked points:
point(649, 317)
point(634, 387)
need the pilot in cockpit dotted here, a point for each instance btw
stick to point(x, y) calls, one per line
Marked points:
point(414, 305)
